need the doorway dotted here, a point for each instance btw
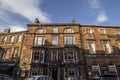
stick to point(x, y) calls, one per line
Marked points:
point(54, 73)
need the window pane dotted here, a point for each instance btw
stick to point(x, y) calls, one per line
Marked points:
point(69, 40)
point(15, 54)
point(54, 55)
point(55, 29)
point(55, 40)
point(88, 31)
point(71, 71)
point(19, 38)
point(7, 53)
point(91, 46)
point(68, 30)
point(1, 53)
point(4, 40)
point(107, 47)
point(11, 39)
point(40, 31)
point(39, 41)
point(102, 31)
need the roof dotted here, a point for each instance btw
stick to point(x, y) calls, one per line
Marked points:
point(71, 24)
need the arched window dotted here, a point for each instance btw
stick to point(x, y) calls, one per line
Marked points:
point(40, 30)
point(112, 68)
point(95, 70)
point(68, 30)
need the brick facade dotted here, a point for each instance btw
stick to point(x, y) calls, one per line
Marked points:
point(87, 51)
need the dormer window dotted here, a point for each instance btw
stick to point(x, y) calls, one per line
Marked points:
point(68, 30)
point(40, 31)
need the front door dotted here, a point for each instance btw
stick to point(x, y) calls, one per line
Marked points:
point(54, 73)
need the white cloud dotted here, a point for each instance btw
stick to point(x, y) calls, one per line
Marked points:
point(17, 28)
point(26, 8)
point(94, 3)
point(102, 17)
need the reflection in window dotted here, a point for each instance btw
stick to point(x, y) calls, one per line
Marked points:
point(15, 54)
point(38, 56)
point(4, 40)
point(69, 55)
point(68, 30)
point(54, 40)
point(11, 39)
point(88, 31)
point(54, 55)
point(112, 68)
point(107, 47)
point(39, 40)
point(19, 38)
point(96, 71)
point(55, 29)
point(102, 31)
point(91, 47)
point(71, 71)
point(7, 54)
point(68, 40)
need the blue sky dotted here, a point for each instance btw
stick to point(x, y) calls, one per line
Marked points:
point(15, 14)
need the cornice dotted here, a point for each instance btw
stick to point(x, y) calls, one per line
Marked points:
point(53, 24)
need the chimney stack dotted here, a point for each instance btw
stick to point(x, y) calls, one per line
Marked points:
point(6, 31)
point(73, 20)
point(36, 21)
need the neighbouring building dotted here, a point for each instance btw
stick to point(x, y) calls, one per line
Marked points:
point(61, 50)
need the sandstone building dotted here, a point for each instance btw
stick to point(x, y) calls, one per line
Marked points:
point(61, 50)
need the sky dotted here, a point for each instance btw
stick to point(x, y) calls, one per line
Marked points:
point(16, 14)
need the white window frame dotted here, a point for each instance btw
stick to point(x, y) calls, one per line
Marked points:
point(98, 70)
point(16, 50)
point(107, 47)
point(4, 40)
point(40, 30)
point(113, 67)
point(68, 30)
point(69, 55)
point(65, 73)
point(12, 39)
point(102, 31)
point(7, 54)
point(55, 40)
point(66, 55)
point(71, 69)
point(55, 29)
point(40, 54)
point(69, 40)
point(91, 46)
point(19, 38)
point(55, 56)
point(89, 31)
point(39, 40)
